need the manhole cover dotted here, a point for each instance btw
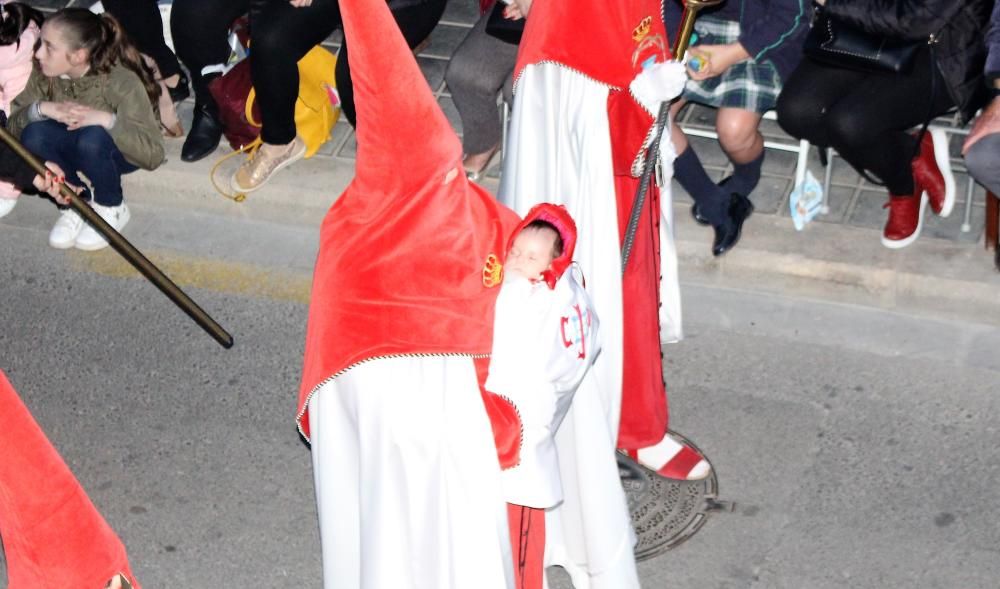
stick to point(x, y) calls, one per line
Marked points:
point(665, 512)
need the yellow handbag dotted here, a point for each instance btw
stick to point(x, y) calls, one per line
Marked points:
point(315, 113)
point(316, 109)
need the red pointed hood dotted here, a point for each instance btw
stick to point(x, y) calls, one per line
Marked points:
point(406, 253)
point(403, 137)
point(558, 217)
point(605, 41)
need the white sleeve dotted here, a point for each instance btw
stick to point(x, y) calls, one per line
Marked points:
point(517, 373)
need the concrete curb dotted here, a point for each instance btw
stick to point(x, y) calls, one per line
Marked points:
point(844, 264)
point(830, 262)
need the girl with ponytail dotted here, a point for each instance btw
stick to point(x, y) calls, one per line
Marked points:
point(89, 107)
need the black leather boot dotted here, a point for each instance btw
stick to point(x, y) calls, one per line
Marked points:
point(728, 233)
point(205, 134)
point(181, 91)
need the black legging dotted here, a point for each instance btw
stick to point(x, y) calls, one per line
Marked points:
point(280, 35)
point(867, 118)
point(141, 20)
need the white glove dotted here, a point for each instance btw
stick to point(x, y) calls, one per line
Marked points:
point(660, 82)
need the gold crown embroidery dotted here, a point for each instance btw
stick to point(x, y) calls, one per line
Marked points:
point(492, 272)
point(639, 33)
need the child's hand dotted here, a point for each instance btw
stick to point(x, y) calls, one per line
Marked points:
point(52, 182)
point(715, 59)
point(85, 116)
point(59, 111)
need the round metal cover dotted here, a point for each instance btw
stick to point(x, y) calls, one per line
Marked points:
point(665, 512)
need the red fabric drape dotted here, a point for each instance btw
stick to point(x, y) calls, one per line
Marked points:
point(53, 536)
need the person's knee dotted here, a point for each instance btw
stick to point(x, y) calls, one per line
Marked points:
point(737, 131)
point(270, 41)
point(983, 161)
point(796, 116)
point(463, 75)
point(847, 128)
point(94, 143)
point(38, 137)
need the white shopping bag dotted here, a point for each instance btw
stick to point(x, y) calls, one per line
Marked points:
point(806, 200)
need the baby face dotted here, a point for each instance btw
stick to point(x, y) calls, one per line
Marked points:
point(531, 253)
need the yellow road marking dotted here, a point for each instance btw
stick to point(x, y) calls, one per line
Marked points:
point(205, 273)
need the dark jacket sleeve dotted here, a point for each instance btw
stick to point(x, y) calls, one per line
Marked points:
point(903, 19)
point(14, 169)
point(993, 45)
point(764, 27)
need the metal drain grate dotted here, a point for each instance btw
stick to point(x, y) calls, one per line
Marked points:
point(665, 512)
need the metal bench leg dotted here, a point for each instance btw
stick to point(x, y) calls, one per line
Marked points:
point(992, 221)
point(827, 179)
point(970, 188)
point(504, 123)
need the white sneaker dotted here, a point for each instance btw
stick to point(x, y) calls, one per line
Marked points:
point(66, 229)
point(6, 206)
point(89, 239)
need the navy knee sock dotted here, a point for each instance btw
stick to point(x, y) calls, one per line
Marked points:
point(745, 176)
point(712, 201)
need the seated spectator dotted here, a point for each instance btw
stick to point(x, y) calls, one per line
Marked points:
point(982, 146)
point(281, 33)
point(88, 107)
point(742, 52)
point(480, 67)
point(285, 32)
point(869, 117)
point(142, 22)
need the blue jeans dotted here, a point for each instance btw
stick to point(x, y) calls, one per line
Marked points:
point(89, 150)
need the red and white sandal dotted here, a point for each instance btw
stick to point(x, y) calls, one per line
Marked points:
point(671, 458)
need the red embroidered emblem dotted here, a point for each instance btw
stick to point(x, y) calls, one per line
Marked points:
point(579, 327)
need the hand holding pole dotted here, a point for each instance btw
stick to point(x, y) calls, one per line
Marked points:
point(126, 249)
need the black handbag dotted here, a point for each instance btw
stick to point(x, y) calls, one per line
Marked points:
point(837, 43)
point(505, 29)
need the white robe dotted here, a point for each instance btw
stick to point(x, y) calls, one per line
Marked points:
point(407, 479)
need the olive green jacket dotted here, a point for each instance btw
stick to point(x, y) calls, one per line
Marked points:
point(137, 129)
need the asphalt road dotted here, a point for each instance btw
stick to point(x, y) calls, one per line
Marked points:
point(858, 445)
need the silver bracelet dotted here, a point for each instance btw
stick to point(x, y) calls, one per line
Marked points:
point(35, 112)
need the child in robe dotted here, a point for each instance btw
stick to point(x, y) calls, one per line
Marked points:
point(545, 337)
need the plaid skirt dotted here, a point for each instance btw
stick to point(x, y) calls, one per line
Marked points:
point(749, 85)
